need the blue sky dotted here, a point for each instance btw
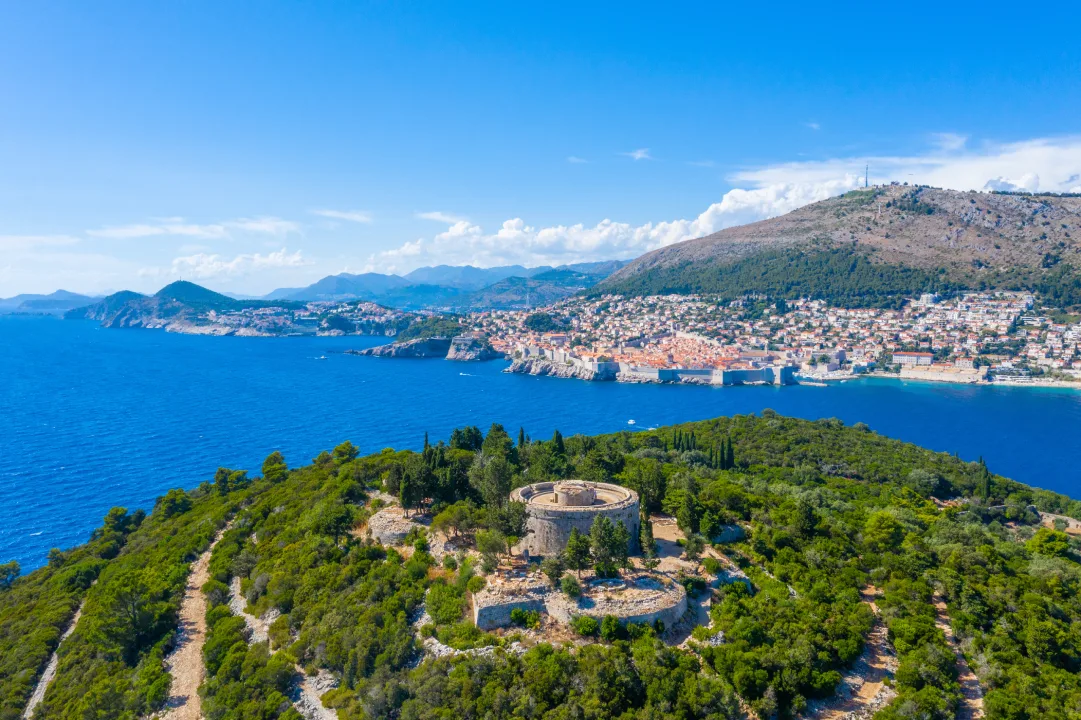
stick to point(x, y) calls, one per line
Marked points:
point(255, 145)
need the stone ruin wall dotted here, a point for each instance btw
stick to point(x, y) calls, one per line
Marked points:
point(668, 608)
point(492, 608)
point(497, 614)
point(549, 528)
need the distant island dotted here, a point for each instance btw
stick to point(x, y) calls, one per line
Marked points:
point(736, 568)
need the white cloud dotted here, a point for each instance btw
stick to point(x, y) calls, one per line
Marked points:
point(1042, 164)
point(357, 216)
point(264, 225)
point(639, 154)
point(1045, 165)
point(176, 227)
point(948, 142)
point(204, 265)
point(575, 160)
point(813, 125)
point(442, 217)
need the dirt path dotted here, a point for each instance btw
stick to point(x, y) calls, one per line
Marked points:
point(863, 691)
point(971, 706)
point(185, 663)
point(50, 669)
point(308, 693)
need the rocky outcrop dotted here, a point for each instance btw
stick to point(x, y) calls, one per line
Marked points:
point(420, 348)
point(538, 366)
point(468, 349)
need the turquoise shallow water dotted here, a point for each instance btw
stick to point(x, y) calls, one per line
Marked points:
point(91, 418)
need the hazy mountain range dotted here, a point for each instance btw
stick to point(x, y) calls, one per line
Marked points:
point(444, 286)
point(456, 286)
point(182, 301)
point(55, 303)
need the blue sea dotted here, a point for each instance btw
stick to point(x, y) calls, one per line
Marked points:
point(91, 418)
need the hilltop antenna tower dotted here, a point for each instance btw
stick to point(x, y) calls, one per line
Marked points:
point(866, 172)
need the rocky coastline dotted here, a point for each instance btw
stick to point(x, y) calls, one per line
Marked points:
point(539, 366)
point(457, 349)
point(419, 348)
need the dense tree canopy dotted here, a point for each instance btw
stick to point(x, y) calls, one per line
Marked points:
point(830, 515)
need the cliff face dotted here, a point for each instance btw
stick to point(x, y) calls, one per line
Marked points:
point(471, 351)
point(437, 347)
point(420, 348)
point(537, 366)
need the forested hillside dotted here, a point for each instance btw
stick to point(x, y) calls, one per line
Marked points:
point(870, 247)
point(844, 531)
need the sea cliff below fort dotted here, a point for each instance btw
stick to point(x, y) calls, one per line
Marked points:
point(461, 349)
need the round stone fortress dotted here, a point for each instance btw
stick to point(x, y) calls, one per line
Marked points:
point(554, 509)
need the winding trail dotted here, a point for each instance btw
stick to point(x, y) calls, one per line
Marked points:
point(185, 663)
point(863, 691)
point(50, 669)
point(307, 698)
point(971, 707)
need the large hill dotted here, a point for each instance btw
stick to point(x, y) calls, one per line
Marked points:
point(870, 246)
point(180, 301)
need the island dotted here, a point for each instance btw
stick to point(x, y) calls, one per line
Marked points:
point(741, 567)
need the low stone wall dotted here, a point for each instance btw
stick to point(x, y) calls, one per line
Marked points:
point(492, 606)
point(667, 605)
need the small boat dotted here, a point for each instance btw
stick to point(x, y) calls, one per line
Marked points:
point(631, 422)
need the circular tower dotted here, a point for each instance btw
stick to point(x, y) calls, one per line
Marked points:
point(554, 509)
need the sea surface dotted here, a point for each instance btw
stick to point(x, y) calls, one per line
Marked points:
point(92, 418)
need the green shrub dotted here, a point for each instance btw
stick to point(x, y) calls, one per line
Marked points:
point(610, 628)
point(445, 603)
point(712, 566)
point(525, 618)
point(476, 584)
point(570, 586)
point(585, 626)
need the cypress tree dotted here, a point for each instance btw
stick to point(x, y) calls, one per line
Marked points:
point(521, 436)
point(687, 517)
point(645, 536)
point(426, 444)
point(731, 459)
point(557, 443)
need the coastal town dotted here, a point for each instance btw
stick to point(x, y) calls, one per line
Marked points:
point(973, 337)
point(970, 337)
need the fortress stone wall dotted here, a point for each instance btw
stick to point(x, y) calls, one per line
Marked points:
point(554, 509)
